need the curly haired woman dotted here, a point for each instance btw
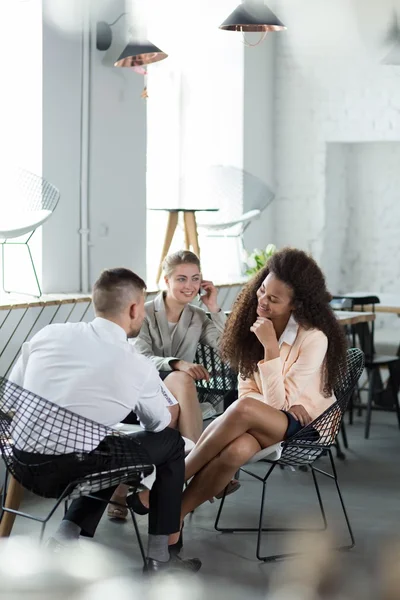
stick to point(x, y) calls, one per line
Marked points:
point(284, 340)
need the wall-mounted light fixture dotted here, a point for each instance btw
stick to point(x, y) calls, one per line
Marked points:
point(137, 53)
point(253, 16)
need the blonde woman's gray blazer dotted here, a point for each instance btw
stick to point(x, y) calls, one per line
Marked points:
point(194, 326)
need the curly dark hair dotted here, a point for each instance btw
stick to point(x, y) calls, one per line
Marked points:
point(312, 310)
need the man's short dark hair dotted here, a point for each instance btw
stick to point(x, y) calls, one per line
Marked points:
point(114, 290)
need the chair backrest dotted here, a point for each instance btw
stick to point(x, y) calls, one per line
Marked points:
point(306, 445)
point(230, 189)
point(222, 378)
point(30, 423)
point(364, 331)
point(28, 192)
point(28, 201)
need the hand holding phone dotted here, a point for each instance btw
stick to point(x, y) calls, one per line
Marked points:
point(208, 295)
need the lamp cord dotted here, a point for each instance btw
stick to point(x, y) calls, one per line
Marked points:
point(117, 19)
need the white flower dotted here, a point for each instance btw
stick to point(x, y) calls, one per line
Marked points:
point(257, 251)
point(251, 261)
point(270, 249)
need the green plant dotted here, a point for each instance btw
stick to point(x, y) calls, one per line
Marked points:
point(258, 259)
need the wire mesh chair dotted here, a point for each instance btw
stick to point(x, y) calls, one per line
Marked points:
point(26, 202)
point(223, 381)
point(56, 453)
point(239, 196)
point(382, 395)
point(304, 448)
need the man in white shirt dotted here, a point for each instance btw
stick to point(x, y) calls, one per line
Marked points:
point(92, 370)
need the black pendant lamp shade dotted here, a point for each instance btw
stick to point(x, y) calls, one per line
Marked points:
point(136, 53)
point(252, 17)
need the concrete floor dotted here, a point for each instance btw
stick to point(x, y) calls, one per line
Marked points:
point(370, 481)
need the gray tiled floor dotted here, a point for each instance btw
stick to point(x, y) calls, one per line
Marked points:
point(370, 480)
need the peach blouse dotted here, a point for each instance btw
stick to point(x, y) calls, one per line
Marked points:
point(295, 377)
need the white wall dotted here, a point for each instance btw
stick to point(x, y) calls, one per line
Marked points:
point(329, 87)
point(62, 57)
point(373, 235)
point(117, 156)
point(338, 217)
point(259, 133)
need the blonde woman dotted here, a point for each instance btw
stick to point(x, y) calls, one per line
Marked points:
point(169, 336)
point(172, 329)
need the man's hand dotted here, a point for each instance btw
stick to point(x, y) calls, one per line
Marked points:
point(195, 371)
point(300, 414)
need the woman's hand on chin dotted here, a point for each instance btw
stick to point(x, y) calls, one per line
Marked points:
point(265, 332)
point(192, 369)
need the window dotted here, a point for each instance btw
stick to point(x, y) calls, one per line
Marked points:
point(194, 118)
point(21, 117)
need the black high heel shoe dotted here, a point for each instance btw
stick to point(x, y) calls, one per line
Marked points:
point(134, 502)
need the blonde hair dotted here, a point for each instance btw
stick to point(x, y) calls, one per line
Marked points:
point(182, 257)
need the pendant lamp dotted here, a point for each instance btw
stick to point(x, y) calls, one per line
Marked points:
point(251, 16)
point(136, 53)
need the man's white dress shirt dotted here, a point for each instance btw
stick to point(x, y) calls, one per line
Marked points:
point(92, 370)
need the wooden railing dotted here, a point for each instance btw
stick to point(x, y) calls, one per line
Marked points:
point(22, 316)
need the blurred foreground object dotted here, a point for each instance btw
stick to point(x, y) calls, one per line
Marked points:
point(28, 570)
point(88, 571)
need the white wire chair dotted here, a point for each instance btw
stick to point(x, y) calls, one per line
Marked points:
point(229, 189)
point(26, 202)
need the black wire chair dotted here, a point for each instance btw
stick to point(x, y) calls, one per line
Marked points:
point(305, 448)
point(56, 453)
point(382, 395)
point(29, 201)
point(223, 381)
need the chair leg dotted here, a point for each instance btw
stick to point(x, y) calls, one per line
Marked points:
point(260, 529)
point(139, 538)
point(2, 267)
point(394, 383)
point(260, 522)
point(263, 480)
point(351, 407)
point(334, 473)
point(339, 453)
point(344, 435)
point(39, 289)
point(12, 499)
point(371, 389)
point(321, 504)
point(34, 270)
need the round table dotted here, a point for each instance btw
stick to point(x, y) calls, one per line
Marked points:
point(190, 228)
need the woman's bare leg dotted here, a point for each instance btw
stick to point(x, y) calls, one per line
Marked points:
point(183, 388)
point(242, 416)
point(189, 422)
point(216, 475)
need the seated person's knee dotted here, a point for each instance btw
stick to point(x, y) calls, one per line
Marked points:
point(242, 407)
point(236, 454)
point(179, 378)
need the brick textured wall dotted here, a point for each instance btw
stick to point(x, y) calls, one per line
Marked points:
point(331, 88)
